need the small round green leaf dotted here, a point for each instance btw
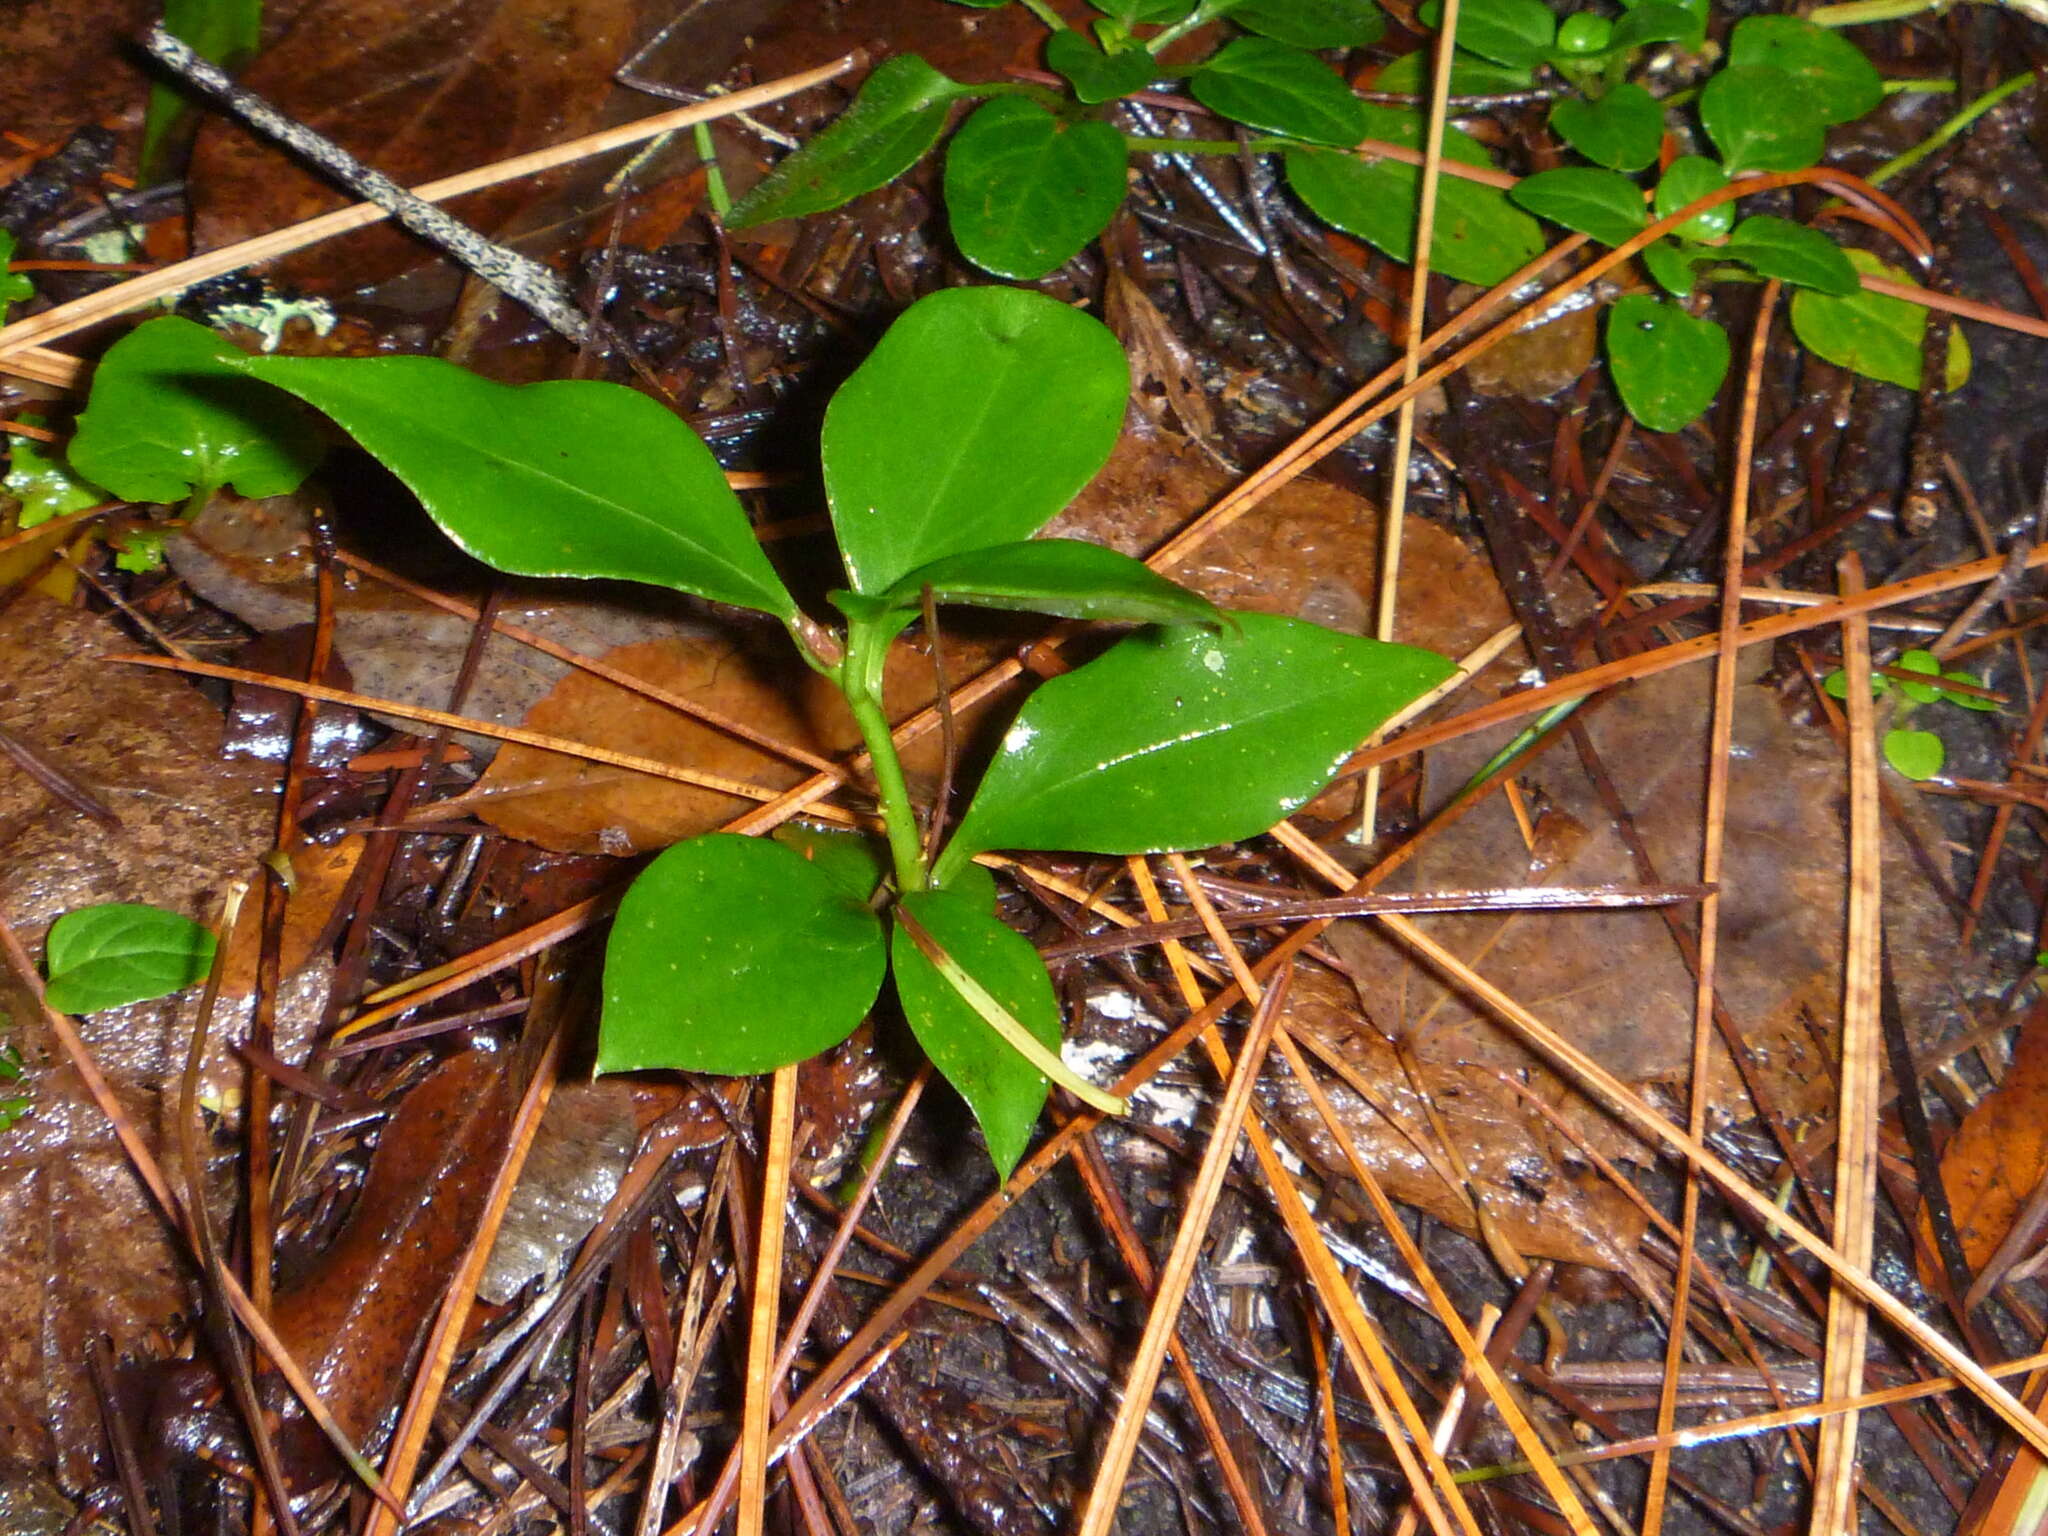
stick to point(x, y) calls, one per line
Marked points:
point(1025, 191)
point(1667, 365)
point(1836, 684)
point(1313, 23)
point(1759, 121)
point(1922, 662)
point(1622, 130)
point(1269, 86)
point(895, 118)
point(1833, 77)
point(1584, 33)
point(1916, 754)
point(1005, 1091)
point(1070, 578)
point(1183, 738)
point(171, 418)
point(1872, 333)
point(1672, 265)
point(120, 952)
point(1097, 76)
point(1967, 700)
point(1686, 180)
point(568, 477)
point(1603, 204)
point(735, 955)
point(1793, 253)
point(980, 415)
point(1518, 33)
point(1480, 237)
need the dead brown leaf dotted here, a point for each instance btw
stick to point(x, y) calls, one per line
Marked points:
point(2000, 1151)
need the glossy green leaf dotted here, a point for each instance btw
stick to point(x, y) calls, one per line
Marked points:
point(569, 477)
point(1097, 76)
point(225, 32)
point(1831, 75)
point(1313, 23)
point(1513, 32)
point(1872, 333)
point(854, 862)
point(1759, 121)
point(1584, 34)
point(44, 484)
point(1269, 86)
point(1923, 662)
point(1793, 253)
point(118, 953)
point(1131, 13)
point(1685, 181)
point(1836, 684)
point(1672, 265)
point(735, 955)
point(978, 417)
point(1622, 130)
point(171, 418)
point(1409, 75)
point(1480, 237)
point(1916, 754)
point(1603, 204)
point(1067, 577)
point(1667, 365)
point(1006, 1092)
point(1654, 21)
point(1967, 700)
point(894, 120)
point(1182, 738)
point(1025, 191)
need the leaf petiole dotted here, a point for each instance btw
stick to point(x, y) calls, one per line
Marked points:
point(1015, 1035)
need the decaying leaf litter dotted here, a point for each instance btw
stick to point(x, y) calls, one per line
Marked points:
point(987, 1412)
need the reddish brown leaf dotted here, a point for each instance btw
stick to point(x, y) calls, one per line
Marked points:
point(2000, 1152)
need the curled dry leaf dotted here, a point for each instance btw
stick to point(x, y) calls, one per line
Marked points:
point(1999, 1153)
point(415, 92)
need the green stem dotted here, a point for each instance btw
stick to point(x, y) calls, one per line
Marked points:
point(1857, 13)
point(1950, 129)
point(1928, 87)
point(714, 178)
point(1140, 145)
point(860, 679)
point(1047, 16)
point(1200, 16)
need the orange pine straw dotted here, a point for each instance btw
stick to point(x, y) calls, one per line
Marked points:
point(761, 1352)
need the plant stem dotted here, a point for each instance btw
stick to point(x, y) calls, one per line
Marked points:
point(1857, 13)
point(860, 680)
point(1200, 16)
point(1139, 145)
point(1951, 128)
point(714, 178)
point(1930, 87)
point(1048, 17)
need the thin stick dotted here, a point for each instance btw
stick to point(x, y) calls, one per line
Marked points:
point(1104, 1496)
point(1848, 1325)
point(64, 319)
point(1411, 364)
point(1720, 744)
point(761, 1351)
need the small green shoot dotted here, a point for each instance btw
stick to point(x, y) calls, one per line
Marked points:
point(980, 414)
point(1918, 754)
point(117, 953)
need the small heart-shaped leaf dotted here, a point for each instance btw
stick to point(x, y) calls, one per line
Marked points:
point(1759, 121)
point(1667, 365)
point(1686, 180)
point(1097, 76)
point(1621, 130)
point(1793, 253)
point(1833, 77)
point(1603, 204)
point(121, 952)
point(1025, 191)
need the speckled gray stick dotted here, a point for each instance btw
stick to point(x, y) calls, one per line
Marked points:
point(526, 280)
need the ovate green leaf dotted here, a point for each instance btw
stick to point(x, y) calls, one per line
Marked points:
point(1313, 23)
point(570, 477)
point(1097, 76)
point(1409, 75)
point(1923, 662)
point(1067, 577)
point(1782, 249)
point(1667, 365)
point(1583, 34)
point(1480, 237)
point(171, 417)
point(1759, 121)
point(1916, 754)
point(1833, 77)
point(735, 955)
point(896, 117)
point(118, 953)
point(1513, 32)
point(1025, 191)
point(1672, 264)
point(1182, 738)
point(1603, 204)
point(1872, 333)
point(1685, 181)
point(978, 417)
point(1655, 21)
point(1006, 1092)
point(1622, 130)
point(1267, 85)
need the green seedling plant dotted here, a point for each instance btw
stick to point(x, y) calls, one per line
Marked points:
point(1915, 753)
point(1033, 174)
point(980, 414)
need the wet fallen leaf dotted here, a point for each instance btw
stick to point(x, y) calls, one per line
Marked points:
point(416, 94)
point(67, 64)
point(1999, 1153)
point(1538, 361)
